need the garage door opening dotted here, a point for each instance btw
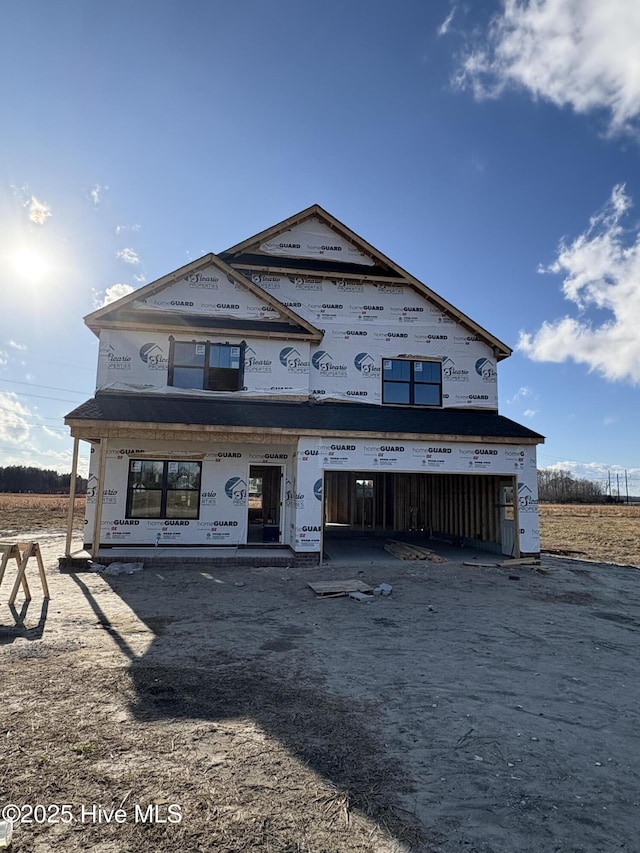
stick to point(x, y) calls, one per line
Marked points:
point(472, 509)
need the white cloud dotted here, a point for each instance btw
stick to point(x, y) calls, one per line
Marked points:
point(4, 357)
point(58, 435)
point(129, 256)
point(139, 278)
point(444, 27)
point(602, 271)
point(520, 394)
point(96, 194)
point(14, 424)
point(113, 293)
point(577, 53)
point(16, 345)
point(121, 228)
point(39, 211)
point(596, 471)
point(530, 413)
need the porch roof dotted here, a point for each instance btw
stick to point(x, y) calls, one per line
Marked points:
point(296, 418)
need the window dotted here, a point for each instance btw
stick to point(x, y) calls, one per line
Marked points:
point(159, 489)
point(411, 383)
point(207, 366)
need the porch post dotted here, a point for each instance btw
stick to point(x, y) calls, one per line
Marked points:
point(516, 518)
point(97, 519)
point(72, 497)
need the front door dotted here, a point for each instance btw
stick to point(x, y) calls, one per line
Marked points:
point(265, 504)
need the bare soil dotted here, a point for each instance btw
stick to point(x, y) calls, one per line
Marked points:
point(467, 712)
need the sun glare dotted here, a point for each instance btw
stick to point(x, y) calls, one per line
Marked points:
point(30, 264)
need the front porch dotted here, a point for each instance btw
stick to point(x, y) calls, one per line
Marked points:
point(158, 558)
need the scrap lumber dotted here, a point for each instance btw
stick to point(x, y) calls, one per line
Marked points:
point(521, 561)
point(335, 588)
point(405, 551)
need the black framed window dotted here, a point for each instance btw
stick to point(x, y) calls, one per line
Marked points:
point(205, 365)
point(411, 382)
point(163, 489)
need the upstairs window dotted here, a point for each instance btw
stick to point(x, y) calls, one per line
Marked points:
point(163, 489)
point(411, 383)
point(206, 366)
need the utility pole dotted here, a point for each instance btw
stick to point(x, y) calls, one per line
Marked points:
point(626, 484)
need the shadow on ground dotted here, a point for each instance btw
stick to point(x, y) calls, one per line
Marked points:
point(475, 709)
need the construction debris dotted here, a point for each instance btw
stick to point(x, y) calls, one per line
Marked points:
point(360, 596)
point(523, 561)
point(404, 551)
point(334, 588)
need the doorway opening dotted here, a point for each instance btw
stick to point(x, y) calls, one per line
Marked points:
point(265, 504)
point(476, 509)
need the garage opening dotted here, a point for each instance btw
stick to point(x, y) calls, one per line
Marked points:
point(462, 508)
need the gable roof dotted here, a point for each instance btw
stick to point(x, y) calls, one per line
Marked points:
point(249, 254)
point(121, 312)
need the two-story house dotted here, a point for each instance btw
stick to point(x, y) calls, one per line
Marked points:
point(296, 383)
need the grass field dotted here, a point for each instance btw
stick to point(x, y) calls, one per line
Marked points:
point(25, 513)
point(609, 534)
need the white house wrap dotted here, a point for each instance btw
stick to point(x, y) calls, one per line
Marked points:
point(298, 382)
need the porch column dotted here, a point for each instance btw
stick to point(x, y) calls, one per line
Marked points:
point(102, 467)
point(72, 497)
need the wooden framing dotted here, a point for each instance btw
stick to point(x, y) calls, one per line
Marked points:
point(97, 519)
point(456, 505)
point(72, 497)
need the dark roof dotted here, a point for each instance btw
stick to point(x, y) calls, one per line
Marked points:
point(323, 417)
point(157, 319)
point(325, 265)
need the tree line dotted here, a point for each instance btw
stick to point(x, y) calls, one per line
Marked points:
point(20, 478)
point(560, 487)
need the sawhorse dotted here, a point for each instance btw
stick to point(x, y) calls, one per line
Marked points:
point(22, 552)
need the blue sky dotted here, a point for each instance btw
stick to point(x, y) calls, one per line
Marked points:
point(492, 150)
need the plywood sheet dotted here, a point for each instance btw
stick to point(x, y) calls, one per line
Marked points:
point(339, 587)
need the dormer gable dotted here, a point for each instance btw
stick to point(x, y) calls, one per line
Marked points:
point(206, 294)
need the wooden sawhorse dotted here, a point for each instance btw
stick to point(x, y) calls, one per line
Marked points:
point(22, 552)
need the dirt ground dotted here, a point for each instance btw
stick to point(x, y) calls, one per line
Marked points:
point(467, 712)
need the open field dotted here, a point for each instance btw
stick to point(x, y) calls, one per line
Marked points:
point(21, 514)
point(610, 534)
